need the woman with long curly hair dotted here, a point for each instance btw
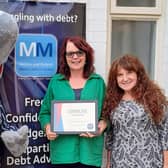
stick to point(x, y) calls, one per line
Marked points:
point(137, 110)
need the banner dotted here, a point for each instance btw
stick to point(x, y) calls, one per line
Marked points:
point(42, 27)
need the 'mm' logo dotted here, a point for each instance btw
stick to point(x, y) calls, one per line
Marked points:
point(36, 49)
point(36, 55)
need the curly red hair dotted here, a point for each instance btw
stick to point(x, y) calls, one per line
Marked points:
point(146, 92)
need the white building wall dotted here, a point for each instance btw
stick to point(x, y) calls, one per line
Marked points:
point(164, 71)
point(96, 29)
point(96, 34)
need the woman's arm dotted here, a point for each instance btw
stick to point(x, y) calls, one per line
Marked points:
point(101, 126)
point(163, 130)
point(50, 135)
point(108, 163)
point(44, 116)
point(165, 160)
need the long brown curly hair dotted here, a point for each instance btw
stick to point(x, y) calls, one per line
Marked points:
point(146, 92)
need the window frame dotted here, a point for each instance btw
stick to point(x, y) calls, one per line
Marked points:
point(136, 10)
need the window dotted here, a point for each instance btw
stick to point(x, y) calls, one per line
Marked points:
point(136, 6)
point(135, 30)
point(137, 37)
point(136, 3)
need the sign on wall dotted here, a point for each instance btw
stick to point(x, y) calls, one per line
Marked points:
point(42, 27)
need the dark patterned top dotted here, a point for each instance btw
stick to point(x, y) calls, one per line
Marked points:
point(134, 140)
point(77, 93)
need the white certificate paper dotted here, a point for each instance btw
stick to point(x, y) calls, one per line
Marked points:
point(74, 117)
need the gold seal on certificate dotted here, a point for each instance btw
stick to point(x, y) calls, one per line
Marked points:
point(74, 117)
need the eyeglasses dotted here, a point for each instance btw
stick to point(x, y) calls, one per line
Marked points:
point(78, 53)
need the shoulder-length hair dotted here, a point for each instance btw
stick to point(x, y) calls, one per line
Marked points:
point(82, 45)
point(146, 92)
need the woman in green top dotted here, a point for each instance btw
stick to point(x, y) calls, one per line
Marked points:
point(75, 80)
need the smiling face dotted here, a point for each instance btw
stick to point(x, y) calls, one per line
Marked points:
point(126, 79)
point(75, 58)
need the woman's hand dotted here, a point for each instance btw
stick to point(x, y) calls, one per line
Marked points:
point(101, 127)
point(165, 156)
point(50, 135)
point(108, 165)
point(87, 135)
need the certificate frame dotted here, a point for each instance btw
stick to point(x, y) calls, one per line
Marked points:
point(74, 116)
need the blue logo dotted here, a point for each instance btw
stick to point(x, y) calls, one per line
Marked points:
point(36, 55)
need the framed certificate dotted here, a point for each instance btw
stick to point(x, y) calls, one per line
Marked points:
point(74, 117)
